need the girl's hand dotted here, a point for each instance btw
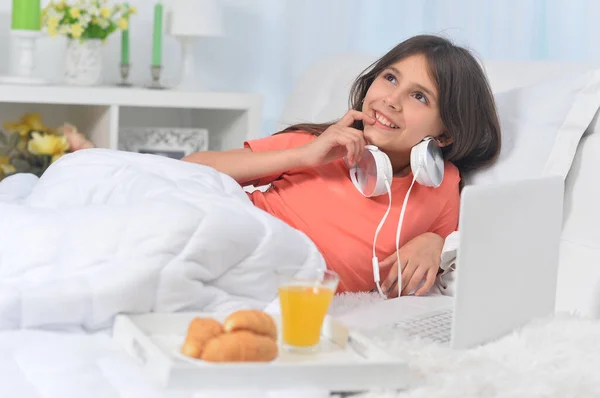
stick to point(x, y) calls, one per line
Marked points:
point(420, 259)
point(337, 141)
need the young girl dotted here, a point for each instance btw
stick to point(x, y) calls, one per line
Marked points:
point(425, 86)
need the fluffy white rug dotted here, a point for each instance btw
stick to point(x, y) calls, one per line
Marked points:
point(557, 357)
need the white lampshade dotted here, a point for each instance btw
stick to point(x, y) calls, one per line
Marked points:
point(194, 18)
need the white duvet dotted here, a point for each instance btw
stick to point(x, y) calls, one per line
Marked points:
point(104, 232)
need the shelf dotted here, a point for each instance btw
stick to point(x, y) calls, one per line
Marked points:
point(126, 96)
point(227, 127)
point(230, 118)
point(95, 120)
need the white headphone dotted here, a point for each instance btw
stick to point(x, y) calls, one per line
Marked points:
point(374, 169)
point(373, 174)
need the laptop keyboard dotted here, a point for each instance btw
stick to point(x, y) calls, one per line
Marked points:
point(435, 326)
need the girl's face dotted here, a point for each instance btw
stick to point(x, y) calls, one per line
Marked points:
point(403, 99)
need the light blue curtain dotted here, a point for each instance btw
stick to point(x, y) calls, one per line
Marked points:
point(269, 43)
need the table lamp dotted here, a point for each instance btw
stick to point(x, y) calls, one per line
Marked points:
point(25, 30)
point(187, 20)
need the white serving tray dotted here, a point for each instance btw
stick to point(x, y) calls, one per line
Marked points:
point(346, 361)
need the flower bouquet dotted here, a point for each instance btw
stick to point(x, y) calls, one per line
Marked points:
point(86, 19)
point(28, 146)
point(87, 24)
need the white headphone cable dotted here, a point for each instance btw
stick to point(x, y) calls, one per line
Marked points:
point(375, 261)
point(400, 221)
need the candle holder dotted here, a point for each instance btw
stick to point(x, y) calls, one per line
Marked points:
point(22, 67)
point(156, 70)
point(124, 76)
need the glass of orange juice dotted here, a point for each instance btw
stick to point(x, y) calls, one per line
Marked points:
point(304, 297)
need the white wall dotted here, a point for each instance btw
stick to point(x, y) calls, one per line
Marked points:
point(240, 62)
point(51, 50)
point(269, 43)
point(232, 63)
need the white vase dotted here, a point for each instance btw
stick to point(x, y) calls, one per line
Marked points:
point(83, 63)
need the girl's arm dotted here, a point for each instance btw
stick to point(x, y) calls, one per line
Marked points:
point(247, 167)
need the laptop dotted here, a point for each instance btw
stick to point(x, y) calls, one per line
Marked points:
point(506, 268)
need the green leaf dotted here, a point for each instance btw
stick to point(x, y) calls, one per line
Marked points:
point(4, 147)
point(21, 165)
point(13, 140)
point(36, 171)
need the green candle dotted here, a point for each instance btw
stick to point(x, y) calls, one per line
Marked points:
point(125, 47)
point(26, 15)
point(157, 36)
point(125, 42)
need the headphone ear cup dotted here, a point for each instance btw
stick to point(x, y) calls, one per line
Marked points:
point(415, 160)
point(370, 174)
point(426, 158)
point(384, 173)
point(417, 163)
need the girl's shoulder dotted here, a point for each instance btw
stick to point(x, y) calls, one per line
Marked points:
point(299, 136)
point(451, 172)
point(451, 181)
point(277, 141)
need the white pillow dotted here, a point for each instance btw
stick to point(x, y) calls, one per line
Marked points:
point(541, 127)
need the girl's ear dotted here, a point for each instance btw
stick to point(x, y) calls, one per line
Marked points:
point(444, 139)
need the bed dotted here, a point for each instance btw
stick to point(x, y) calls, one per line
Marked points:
point(548, 114)
point(66, 352)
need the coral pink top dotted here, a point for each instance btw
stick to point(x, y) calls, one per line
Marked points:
point(323, 203)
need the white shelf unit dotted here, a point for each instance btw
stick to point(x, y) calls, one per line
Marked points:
point(101, 112)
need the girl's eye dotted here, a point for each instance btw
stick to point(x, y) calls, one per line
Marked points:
point(420, 97)
point(389, 77)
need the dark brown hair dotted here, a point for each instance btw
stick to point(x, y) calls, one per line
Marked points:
point(466, 102)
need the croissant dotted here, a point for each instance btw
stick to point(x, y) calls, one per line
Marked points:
point(240, 346)
point(251, 320)
point(200, 331)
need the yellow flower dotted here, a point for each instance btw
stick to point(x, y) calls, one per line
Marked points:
point(17, 127)
point(76, 30)
point(65, 30)
point(123, 24)
point(133, 10)
point(103, 23)
point(105, 12)
point(56, 157)
point(7, 169)
point(61, 6)
point(34, 121)
point(52, 31)
point(29, 122)
point(47, 144)
point(75, 12)
point(53, 22)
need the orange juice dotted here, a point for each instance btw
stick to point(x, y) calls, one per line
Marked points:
point(303, 309)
